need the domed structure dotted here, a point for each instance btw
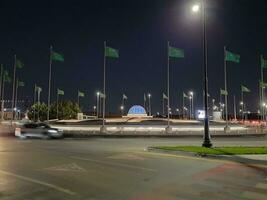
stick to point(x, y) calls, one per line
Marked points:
point(137, 111)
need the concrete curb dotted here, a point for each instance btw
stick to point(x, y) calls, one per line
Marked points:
point(233, 158)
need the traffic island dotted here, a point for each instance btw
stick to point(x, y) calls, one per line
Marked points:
point(248, 155)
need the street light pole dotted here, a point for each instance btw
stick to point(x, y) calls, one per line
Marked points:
point(207, 141)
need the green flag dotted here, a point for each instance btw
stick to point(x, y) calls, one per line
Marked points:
point(263, 63)
point(232, 57)
point(60, 92)
point(175, 52)
point(164, 96)
point(21, 84)
point(223, 92)
point(7, 77)
point(185, 96)
point(80, 94)
point(19, 64)
point(244, 89)
point(38, 89)
point(57, 56)
point(263, 85)
point(111, 53)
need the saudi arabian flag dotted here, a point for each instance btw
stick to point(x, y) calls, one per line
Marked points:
point(185, 96)
point(111, 53)
point(263, 63)
point(263, 85)
point(244, 89)
point(60, 92)
point(57, 56)
point(19, 64)
point(80, 94)
point(223, 92)
point(38, 89)
point(6, 77)
point(232, 57)
point(175, 52)
point(21, 84)
point(164, 96)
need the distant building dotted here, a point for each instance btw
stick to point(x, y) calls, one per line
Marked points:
point(137, 111)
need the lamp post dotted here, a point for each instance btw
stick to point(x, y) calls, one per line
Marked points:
point(97, 104)
point(191, 93)
point(195, 9)
point(94, 110)
point(122, 109)
point(149, 103)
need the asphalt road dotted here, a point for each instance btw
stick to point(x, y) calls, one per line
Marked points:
point(114, 169)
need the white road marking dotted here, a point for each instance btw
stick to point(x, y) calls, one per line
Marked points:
point(114, 164)
point(60, 189)
point(73, 167)
point(126, 156)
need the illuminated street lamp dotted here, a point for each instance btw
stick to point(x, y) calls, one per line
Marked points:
point(191, 94)
point(196, 9)
point(122, 109)
point(94, 110)
point(149, 103)
point(97, 103)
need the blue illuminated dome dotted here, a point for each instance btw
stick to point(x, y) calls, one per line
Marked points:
point(137, 110)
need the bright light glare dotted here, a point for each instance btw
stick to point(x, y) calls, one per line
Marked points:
point(195, 8)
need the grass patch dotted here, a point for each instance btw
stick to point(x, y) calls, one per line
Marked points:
point(217, 150)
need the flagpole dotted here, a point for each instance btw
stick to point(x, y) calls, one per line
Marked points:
point(183, 106)
point(78, 100)
point(234, 108)
point(38, 99)
point(49, 83)
point(168, 87)
point(163, 106)
point(13, 90)
point(57, 104)
point(262, 89)
point(1, 80)
point(242, 100)
point(3, 102)
point(104, 90)
point(16, 97)
point(34, 101)
point(227, 128)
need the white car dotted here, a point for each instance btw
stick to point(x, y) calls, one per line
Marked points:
point(37, 130)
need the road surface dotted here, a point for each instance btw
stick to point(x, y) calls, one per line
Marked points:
point(113, 168)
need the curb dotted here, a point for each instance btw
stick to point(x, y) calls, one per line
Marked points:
point(233, 158)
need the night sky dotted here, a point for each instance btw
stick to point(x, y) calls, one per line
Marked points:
point(140, 30)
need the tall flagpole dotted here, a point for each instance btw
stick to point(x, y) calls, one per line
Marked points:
point(104, 89)
point(163, 105)
point(78, 100)
point(14, 85)
point(57, 104)
point(16, 97)
point(168, 84)
point(262, 91)
point(227, 128)
point(3, 102)
point(242, 100)
point(1, 81)
point(49, 83)
point(38, 99)
point(183, 106)
point(34, 102)
point(234, 108)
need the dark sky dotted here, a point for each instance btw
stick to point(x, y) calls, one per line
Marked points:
point(140, 30)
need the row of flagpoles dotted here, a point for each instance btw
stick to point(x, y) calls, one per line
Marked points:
point(173, 53)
